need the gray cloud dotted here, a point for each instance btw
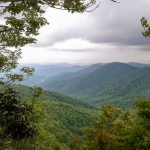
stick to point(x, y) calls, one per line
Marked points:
point(75, 50)
point(113, 32)
point(121, 23)
point(110, 23)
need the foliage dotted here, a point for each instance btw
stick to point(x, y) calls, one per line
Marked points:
point(146, 26)
point(61, 125)
point(15, 124)
point(25, 92)
point(59, 119)
point(119, 130)
point(36, 91)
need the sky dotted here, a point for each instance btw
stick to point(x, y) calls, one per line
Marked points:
point(110, 33)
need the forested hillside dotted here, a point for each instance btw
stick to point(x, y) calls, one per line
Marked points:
point(95, 78)
point(62, 119)
point(118, 83)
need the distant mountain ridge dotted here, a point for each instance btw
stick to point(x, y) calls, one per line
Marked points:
point(94, 78)
point(139, 64)
point(116, 82)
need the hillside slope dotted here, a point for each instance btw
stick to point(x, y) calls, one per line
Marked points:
point(119, 83)
point(64, 118)
point(115, 82)
point(88, 80)
point(125, 90)
point(50, 83)
point(50, 72)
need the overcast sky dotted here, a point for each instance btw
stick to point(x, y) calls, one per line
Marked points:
point(110, 33)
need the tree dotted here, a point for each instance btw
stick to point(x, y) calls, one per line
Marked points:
point(146, 26)
point(15, 124)
point(117, 129)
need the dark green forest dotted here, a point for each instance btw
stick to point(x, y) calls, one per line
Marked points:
point(61, 122)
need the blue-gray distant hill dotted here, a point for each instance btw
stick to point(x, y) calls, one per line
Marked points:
point(49, 72)
point(138, 64)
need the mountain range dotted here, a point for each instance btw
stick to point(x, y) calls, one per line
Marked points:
point(116, 82)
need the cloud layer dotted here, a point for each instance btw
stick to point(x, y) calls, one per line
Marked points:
point(111, 29)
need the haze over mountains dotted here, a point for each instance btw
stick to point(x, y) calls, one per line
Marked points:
point(116, 82)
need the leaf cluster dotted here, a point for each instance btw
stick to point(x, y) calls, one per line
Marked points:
point(15, 117)
point(146, 26)
point(119, 130)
